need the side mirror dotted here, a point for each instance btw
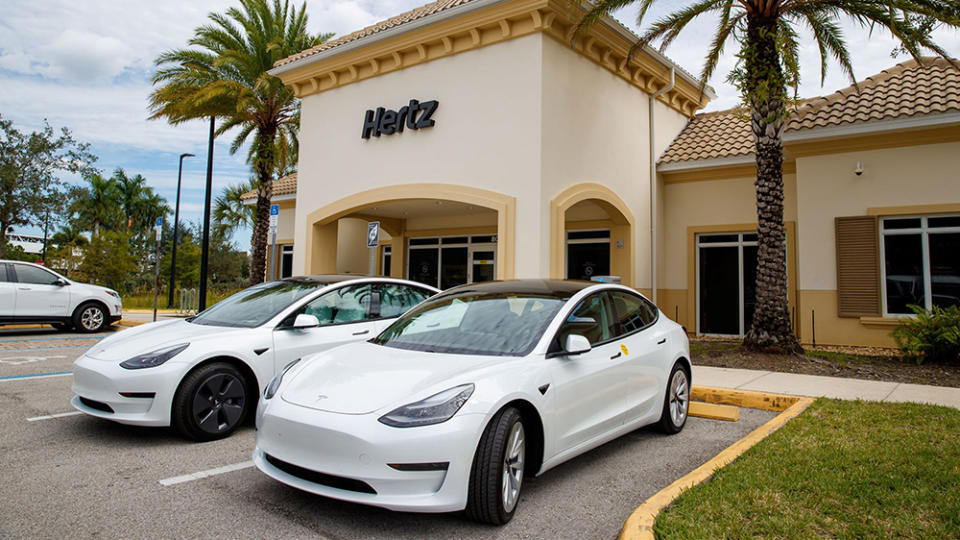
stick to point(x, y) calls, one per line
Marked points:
point(61, 283)
point(305, 321)
point(576, 344)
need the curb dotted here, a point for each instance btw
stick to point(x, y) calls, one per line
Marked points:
point(641, 521)
point(130, 324)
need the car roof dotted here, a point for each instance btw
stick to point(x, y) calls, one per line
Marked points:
point(542, 287)
point(330, 279)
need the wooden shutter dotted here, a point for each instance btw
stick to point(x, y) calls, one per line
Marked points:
point(858, 267)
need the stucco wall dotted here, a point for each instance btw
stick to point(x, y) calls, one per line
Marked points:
point(486, 133)
point(595, 130)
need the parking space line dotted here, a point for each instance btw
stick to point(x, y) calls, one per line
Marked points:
point(52, 416)
point(35, 376)
point(47, 339)
point(204, 474)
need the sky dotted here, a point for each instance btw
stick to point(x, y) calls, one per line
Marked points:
point(87, 66)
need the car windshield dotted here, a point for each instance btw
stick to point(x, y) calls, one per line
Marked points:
point(258, 304)
point(471, 322)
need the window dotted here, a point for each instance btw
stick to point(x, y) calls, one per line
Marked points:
point(3, 273)
point(591, 319)
point(921, 262)
point(395, 300)
point(34, 275)
point(286, 261)
point(726, 282)
point(631, 312)
point(343, 305)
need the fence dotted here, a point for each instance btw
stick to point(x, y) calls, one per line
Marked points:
point(189, 302)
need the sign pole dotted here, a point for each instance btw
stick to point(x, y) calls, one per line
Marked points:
point(274, 219)
point(373, 240)
point(156, 264)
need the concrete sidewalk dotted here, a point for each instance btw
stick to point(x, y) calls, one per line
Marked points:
point(818, 386)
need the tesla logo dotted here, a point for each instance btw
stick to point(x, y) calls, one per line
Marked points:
point(321, 397)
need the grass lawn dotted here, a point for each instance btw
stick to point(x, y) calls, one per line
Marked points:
point(842, 469)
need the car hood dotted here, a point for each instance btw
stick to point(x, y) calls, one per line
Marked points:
point(361, 378)
point(150, 337)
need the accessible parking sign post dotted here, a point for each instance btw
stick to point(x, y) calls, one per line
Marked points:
point(274, 221)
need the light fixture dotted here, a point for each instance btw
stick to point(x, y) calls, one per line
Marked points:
point(859, 170)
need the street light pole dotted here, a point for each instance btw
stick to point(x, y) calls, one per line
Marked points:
point(176, 223)
point(205, 248)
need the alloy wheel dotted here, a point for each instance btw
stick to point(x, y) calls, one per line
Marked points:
point(218, 403)
point(91, 318)
point(513, 459)
point(679, 397)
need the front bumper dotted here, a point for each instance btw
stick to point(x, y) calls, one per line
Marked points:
point(343, 452)
point(100, 382)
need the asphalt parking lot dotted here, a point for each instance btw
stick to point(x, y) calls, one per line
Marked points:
point(77, 476)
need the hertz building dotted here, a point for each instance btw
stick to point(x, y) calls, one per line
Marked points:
point(490, 146)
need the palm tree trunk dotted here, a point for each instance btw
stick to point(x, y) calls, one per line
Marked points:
point(264, 163)
point(771, 328)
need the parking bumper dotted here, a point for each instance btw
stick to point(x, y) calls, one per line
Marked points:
point(359, 448)
point(102, 382)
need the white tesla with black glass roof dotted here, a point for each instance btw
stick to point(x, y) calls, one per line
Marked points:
point(204, 374)
point(463, 395)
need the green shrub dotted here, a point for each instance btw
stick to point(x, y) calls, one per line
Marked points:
point(933, 336)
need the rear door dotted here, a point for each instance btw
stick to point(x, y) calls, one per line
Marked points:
point(344, 315)
point(391, 300)
point(8, 293)
point(39, 294)
point(643, 346)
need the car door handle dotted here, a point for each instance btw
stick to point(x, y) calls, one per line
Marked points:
point(361, 332)
point(662, 341)
point(25, 288)
point(614, 357)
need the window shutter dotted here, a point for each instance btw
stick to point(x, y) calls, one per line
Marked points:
point(858, 267)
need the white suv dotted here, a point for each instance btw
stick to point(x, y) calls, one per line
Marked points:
point(30, 293)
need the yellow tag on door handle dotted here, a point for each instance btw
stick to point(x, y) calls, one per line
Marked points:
point(624, 349)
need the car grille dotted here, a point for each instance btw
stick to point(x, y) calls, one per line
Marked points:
point(329, 480)
point(96, 405)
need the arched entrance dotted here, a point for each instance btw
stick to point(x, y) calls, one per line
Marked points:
point(591, 233)
point(444, 233)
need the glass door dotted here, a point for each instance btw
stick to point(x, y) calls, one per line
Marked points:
point(483, 263)
point(726, 278)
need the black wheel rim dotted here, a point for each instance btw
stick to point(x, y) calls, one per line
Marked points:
point(218, 403)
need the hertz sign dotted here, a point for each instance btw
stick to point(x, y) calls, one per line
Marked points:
point(414, 116)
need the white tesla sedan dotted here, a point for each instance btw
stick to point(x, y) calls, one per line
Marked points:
point(465, 394)
point(204, 374)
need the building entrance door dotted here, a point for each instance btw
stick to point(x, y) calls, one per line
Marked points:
point(726, 279)
point(446, 262)
point(588, 254)
point(483, 263)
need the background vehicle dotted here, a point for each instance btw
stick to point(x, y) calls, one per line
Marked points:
point(203, 374)
point(452, 405)
point(30, 293)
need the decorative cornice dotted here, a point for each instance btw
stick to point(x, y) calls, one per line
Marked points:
point(495, 24)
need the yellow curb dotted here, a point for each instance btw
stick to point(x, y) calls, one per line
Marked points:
point(641, 521)
point(159, 311)
point(130, 324)
point(714, 411)
point(26, 326)
point(743, 398)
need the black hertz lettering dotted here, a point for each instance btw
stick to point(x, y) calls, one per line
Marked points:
point(414, 116)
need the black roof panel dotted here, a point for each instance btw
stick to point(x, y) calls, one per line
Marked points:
point(547, 287)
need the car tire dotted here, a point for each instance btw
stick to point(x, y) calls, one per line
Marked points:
point(496, 476)
point(90, 317)
point(676, 402)
point(211, 402)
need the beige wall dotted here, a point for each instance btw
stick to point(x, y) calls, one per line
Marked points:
point(353, 255)
point(486, 135)
point(595, 129)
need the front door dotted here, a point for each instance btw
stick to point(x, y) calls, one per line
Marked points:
point(39, 294)
point(726, 279)
point(483, 263)
point(588, 254)
point(8, 292)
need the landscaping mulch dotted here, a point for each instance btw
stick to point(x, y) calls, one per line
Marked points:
point(854, 362)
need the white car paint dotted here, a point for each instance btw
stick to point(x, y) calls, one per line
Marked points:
point(265, 349)
point(324, 416)
point(54, 301)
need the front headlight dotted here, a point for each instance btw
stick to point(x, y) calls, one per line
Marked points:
point(114, 294)
point(433, 410)
point(154, 358)
point(277, 379)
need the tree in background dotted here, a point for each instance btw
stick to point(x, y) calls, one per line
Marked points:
point(766, 32)
point(29, 163)
point(229, 210)
point(225, 76)
point(108, 261)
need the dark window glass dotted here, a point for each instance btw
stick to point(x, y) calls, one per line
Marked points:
point(453, 271)
point(454, 240)
point(751, 237)
point(903, 262)
point(631, 312)
point(946, 221)
point(34, 275)
point(3, 273)
point(423, 266)
point(718, 238)
point(587, 260)
point(587, 235)
point(591, 319)
point(395, 300)
point(387, 260)
point(286, 262)
point(424, 241)
point(720, 290)
point(902, 223)
point(483, 266)
point(483, 239)
point(749, 285)
point(945, 269)
point(343, 305)
point(256, 305)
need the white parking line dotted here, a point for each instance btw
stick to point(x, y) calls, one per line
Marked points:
point(204, 474)
point(52, 416)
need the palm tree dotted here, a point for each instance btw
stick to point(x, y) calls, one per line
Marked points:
point(97, 205)
point(229, 210)
point(225, 77)
point(766, 32)
point(140, 204)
